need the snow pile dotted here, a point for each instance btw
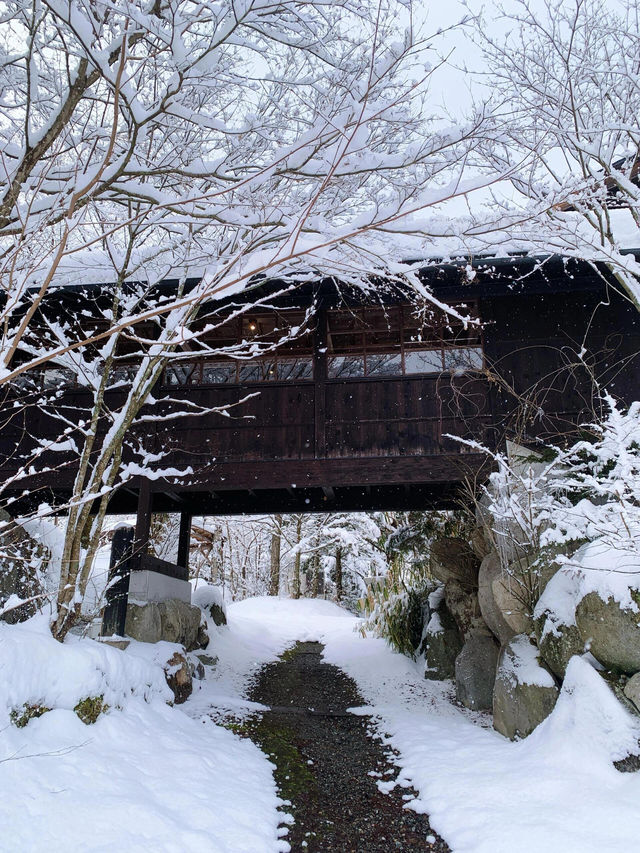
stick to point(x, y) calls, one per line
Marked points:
point(144, 777)
point(559, 600)
point(205, 595)
point(35, 668)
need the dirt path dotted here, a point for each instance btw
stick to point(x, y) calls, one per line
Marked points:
point(325, 758)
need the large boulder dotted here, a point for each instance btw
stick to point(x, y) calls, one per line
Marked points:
point(554, 621)
point(475, 672)
point(632, 691)
point(611, 631)
point(452, 558)
point(479, 543)
point(172, 620)
point(558, 643)
point(441, 643)
point(143, 622)
point(180, 623)
point(501, 600)
point(462, 603)
point(525, 692)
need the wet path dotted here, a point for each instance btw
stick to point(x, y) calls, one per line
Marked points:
point(325, 758)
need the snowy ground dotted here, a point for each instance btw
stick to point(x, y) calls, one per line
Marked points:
point(154, 778)
point(556, 792)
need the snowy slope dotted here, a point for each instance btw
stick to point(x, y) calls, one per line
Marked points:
point(146, 777)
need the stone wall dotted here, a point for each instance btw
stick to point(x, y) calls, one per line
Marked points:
point(506, 643)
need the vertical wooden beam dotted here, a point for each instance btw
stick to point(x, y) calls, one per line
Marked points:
point(184, 538)
point(486, 314)
point(320, 382)
point(115, 612)
point(143, 520)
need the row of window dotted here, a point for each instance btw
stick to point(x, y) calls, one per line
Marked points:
point(217, 372)
point(292, 369)
point(338, 367)
point(405, 363)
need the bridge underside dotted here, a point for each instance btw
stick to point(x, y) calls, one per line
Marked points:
point(329, 485)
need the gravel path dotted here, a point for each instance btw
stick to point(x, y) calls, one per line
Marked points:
point(325, 757)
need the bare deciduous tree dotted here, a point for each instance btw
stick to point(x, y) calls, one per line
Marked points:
point(209, 142)
point(566, 101)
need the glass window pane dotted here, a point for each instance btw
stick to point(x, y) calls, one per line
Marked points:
point(122, 374)
point(30, 380)
point(384, 364)
point(58, 377)
point(423, 361)
point(250, 371)
point(215, 373)
point(269, 372)
point(463, 358)
point(346, 366)
point(295, 368)
point(181, 374)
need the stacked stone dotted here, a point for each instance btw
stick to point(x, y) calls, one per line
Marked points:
point(506, 659)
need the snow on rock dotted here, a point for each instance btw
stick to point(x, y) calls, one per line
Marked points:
point(205, 594)
point(592, 601)
point(525, 692)
point(36, 668)
point(559, 600)
point(609, 572)
point(521, 664)
point(144, 777)
point(595, 568)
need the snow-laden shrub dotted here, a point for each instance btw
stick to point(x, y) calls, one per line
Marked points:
point(598, 496)
point(397, 615)
point(542, 511)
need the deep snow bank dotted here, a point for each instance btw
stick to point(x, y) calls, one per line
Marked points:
point(146, 777)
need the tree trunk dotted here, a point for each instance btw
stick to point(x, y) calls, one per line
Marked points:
point(315, 577)
point(339, 589)
point(297, 561)
point(274, 574)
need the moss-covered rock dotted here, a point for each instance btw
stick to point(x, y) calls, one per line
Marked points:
point(558, 643)
point(442, 644)
point(29, 711)
point(88, 710)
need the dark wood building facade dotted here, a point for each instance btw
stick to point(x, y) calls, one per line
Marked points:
point(356, 409)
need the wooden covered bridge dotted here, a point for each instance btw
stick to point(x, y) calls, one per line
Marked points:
point(355, 411)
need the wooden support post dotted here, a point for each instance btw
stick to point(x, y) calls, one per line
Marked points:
point(143, 520)
point(320, 380)
point(115, 612)
point(184, 538)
